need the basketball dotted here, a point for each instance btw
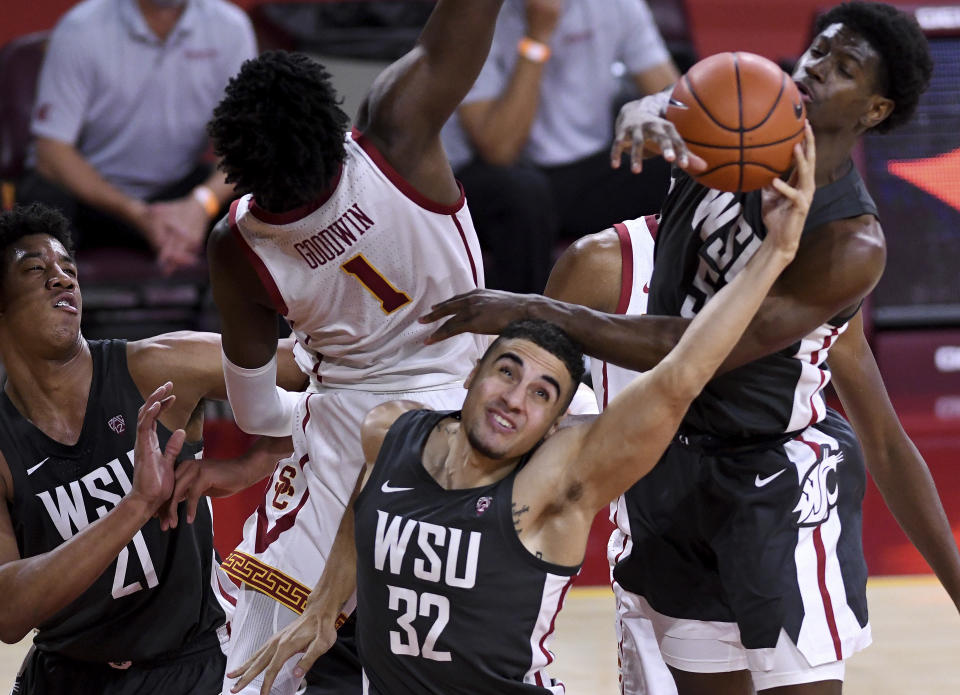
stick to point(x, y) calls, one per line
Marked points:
point(742, 114)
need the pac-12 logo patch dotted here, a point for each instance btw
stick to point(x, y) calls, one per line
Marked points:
point(483, 504)
point(117, 424)
point(819, 489)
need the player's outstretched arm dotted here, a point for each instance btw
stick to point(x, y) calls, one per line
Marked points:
point(36, 588)
point(896, 466)
point(315, 631)
point(198, 478)
point(629, 437)
point(411, 100)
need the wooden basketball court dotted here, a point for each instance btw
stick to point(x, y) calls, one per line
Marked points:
point(915, 651)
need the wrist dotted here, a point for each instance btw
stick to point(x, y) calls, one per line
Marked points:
point(204, 195)
point(533, 50)
point(138, 505)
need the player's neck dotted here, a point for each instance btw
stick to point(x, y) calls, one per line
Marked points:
point(833, 158)
point(51, 393)
point(457, 465)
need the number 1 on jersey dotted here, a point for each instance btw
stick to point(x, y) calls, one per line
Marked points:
point(390, 297)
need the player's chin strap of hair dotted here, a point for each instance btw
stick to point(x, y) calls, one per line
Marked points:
point(259, 405)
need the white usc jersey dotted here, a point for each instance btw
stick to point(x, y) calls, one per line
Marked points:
point(354, 271)
point(636, 257)
point(636, 267)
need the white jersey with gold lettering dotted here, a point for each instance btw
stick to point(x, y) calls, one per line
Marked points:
point(351, 274)
point(354, 270)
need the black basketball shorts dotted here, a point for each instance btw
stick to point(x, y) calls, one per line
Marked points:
point(765, 537)
point(195, 670)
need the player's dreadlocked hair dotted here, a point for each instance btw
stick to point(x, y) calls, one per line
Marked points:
point(896, 36)
point(35, 218)
point(552, 339)
point(279, 130)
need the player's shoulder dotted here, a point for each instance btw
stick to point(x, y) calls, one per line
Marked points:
point(859, 237)
point(588, 272)
point(170, 357)
point(378, 421)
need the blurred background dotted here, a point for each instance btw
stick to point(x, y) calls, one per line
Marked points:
point(914, 175)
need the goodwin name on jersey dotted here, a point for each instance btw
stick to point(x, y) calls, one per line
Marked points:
point(332, 242)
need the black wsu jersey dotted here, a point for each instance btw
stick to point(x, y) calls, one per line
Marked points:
point(157, 595)
point(705, 238)
point(449, 600)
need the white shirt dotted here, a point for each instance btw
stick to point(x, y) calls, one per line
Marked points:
point(136, 108)
point(575, 118)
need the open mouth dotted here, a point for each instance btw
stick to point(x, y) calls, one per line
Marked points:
point(67, 303)
point(501, 423)
point(805, 94)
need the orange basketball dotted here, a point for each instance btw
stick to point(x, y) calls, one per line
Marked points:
point(742, 114)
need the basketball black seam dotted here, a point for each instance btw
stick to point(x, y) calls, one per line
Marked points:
point(736, 72)
point(745, 147)
point(703, 106)
point(772, 108)
point(701, 174)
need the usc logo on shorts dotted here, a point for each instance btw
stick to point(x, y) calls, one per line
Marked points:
point(284, 487)
point(819, 489)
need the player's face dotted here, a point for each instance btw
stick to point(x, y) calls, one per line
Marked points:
point(838, 79)
point(515, 397)
point(40, 295)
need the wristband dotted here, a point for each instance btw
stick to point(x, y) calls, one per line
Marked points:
point(208, 201)
point(534, 51)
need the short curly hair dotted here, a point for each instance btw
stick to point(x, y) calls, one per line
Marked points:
point(279, 130)
point(896, 36)
point(25, 220)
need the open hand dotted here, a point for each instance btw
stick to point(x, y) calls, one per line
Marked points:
point(153, 477)
point(312, 634)
point(641, 130)
point(478, 311)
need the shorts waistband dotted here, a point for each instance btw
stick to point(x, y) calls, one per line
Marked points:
point(205, 642)
point(710, 444)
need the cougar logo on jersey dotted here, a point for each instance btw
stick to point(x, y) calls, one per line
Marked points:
point(728, 243)
point(456, 568)
point(819, 489)
point(483, 504)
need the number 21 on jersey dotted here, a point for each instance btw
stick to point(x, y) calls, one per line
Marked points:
point(390, 297)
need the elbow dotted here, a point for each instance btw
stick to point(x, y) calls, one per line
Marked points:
point(498, 155)
point(12, 630)
point(495, 149)
point(681, 382)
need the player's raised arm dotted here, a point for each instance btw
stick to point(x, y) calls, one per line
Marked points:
point(628, 438)
point(893, 460)
point(412, 99)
